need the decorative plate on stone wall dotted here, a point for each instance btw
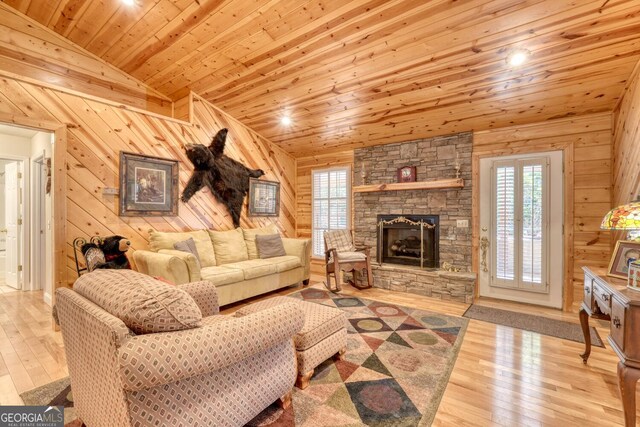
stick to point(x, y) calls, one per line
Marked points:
point(407, 174)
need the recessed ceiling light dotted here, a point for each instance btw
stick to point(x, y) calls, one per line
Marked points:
point(518, 57)
point(285, 120)
point(129, 2)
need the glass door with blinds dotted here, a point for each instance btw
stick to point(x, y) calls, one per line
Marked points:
point(331, 194)
point(521, 205)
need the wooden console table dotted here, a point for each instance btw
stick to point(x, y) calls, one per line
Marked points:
point(608, 298)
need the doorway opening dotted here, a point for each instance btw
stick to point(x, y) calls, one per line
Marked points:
point(26, 202)
point(521, 228)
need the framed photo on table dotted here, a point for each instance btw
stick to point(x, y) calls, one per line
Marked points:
point(148, 185)
point(264, 198)
point(626, 252)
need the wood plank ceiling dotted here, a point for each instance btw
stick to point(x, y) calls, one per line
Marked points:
point(363, 72)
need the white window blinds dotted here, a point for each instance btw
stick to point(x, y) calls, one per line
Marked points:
point(520, 222)
point(505, 222)
point(330, 209)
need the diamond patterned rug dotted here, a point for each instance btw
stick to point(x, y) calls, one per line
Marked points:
point(394, 373)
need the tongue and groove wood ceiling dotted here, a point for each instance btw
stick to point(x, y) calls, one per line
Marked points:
point(364, 72)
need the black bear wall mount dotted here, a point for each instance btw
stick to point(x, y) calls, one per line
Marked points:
point(227, 179)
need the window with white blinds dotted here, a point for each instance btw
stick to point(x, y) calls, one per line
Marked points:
point(331, 190)
point(520, 222)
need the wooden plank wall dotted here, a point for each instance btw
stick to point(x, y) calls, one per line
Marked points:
point(591, 139)
point(33, 53)
point(626, 144)
point(98, 131)
point(303, 191)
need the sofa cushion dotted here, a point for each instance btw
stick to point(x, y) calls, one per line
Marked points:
point(285, 263)
point(189, 246)
point(163, 240)
point(250, 238)
point(221, 276)
point(270, 246)
point(229, 246)
point(253, 268)
point(144, 304)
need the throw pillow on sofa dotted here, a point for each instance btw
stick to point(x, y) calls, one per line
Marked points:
point(161, 240)
point(229, 246)
point(250, 238)
point(143, 303)
point(188, 246)
point(270, 246)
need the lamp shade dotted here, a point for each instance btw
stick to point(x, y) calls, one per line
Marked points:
point(625, 217)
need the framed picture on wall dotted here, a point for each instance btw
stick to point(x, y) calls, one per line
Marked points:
point(148, 185)
point(626, 252)
point(264, 197)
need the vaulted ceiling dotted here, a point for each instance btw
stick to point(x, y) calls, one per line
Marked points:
point(362, 72)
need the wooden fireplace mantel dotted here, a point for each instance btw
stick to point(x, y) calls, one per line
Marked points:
point(421, 185)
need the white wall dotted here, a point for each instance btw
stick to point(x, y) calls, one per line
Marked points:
point(29, 145)
point(42, 143)
point(10, 146)
point(3, 235)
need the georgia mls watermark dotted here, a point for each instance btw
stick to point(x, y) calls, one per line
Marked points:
point(31, 416)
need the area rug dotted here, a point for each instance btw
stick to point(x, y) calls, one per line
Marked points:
point(528, 322)
point(394, 373)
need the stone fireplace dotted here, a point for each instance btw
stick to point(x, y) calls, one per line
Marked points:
point(410, 257)
point(409, 240)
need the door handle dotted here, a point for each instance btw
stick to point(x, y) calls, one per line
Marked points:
point(4, 230)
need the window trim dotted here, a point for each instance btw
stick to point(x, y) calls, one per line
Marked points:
point(349, 200)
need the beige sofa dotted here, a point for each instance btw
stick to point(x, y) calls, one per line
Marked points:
point(141, 352)
point(228, 259)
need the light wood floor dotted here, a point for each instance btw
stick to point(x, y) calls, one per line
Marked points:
point(502, 377)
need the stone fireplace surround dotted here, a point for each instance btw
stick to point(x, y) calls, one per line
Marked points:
point(434, 158)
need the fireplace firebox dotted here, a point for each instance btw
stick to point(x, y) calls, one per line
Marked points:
point(409, 240)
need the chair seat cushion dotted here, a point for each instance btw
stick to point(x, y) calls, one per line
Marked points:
point(253, 268)
point(351, 256)
point(144, 304)
point(221, 276)
point(320, 321)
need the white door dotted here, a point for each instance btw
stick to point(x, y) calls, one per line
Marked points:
point(521, 218)
point(12, 217)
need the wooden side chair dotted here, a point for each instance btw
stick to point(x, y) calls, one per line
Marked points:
point(342, 255)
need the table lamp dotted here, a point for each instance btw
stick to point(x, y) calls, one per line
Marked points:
point(626, 218)
point(623, 218)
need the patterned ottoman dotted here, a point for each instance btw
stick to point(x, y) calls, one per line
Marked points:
point(323, 335)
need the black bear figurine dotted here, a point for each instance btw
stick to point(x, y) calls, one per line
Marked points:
point(109, 253)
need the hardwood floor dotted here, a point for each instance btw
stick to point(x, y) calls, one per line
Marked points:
point(502, 377)
point(31, 354)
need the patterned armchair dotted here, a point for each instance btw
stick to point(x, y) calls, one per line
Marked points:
point(342, 255)
point(218, 371)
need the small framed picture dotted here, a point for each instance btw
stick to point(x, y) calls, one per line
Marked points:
point(625, 253)
point(634, 276)
point(264, 197)
point(406, 174)
point(148, 185)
